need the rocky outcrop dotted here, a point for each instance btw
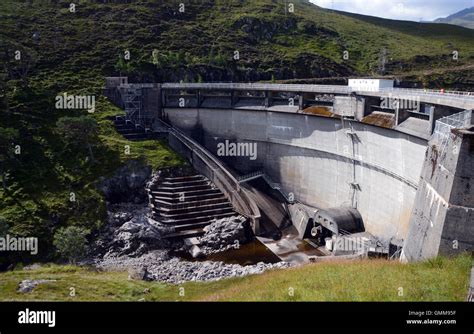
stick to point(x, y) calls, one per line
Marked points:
point(262, 29)
point(130, 231)
point(127, 184)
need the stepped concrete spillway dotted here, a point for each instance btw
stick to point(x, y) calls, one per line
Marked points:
point(188, 204)
point(391, 175)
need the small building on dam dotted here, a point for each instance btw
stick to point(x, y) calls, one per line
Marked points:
point(407, 172)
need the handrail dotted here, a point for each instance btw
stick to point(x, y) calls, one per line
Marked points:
point(248, 177)
point(314, 88)
point(259, 86)
point(429, 91)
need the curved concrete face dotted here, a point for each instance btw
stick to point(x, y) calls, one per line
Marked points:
point(325, 162)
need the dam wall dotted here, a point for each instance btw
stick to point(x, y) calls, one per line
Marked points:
point(324, 162)
point(442, 221)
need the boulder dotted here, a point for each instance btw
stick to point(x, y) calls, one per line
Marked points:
point(28, 285)
point(223, 234)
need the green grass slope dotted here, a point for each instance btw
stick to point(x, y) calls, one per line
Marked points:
point(441, 279)
point(200, 42)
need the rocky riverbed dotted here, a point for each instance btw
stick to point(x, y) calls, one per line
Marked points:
point(133, 241)
point(159, 265)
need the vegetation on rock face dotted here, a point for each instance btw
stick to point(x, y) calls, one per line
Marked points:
point(46, 50)
point(78, 132)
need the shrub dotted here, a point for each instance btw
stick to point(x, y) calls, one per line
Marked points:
point(71, 242)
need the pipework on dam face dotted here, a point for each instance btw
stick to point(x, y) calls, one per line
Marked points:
point(403, 159)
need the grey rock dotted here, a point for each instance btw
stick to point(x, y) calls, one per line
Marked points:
point(33, 266)
point(162, 267)
point(196, 251)
point(127, 184)
point(223, 234)
point(28, 285)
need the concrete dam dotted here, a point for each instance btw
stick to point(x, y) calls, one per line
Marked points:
point(409, 181)
point(323, 161)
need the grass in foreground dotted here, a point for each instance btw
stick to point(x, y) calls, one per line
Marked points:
point(441, 279)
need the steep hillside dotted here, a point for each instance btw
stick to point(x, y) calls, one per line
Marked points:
point(46, 48)
point(200, 43)
point(464, 18)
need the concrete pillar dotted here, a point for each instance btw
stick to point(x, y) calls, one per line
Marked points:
point(401, 115)
point(350, 106)
point(159, 112)
point(199, 98)
point(441, 221)
point(438, 112)
point(234, 98)
point(268, 99)
point(300, 101)
point(151, 103)
point(366, 107)
point(163, 98)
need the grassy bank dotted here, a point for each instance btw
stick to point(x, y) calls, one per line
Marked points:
point(441, 279)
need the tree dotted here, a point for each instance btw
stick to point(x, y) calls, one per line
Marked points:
point(71, 242)
point(19, 64)
point(123, 66)
point(79, 130)
point(3, 228)
point(7, 155)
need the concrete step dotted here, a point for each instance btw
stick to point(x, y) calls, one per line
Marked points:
point(184, 204)
point(184, 189)
point(199, 219)
point(129, 131)
point(136, 136)
point(185, 234)
point(176, 200)
point(119, 122)
point(194, 213)
point(185, 178)
point(202, 204)
point(190, 209)
point(185, 183)
point(187, 194)
point(191, 226)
